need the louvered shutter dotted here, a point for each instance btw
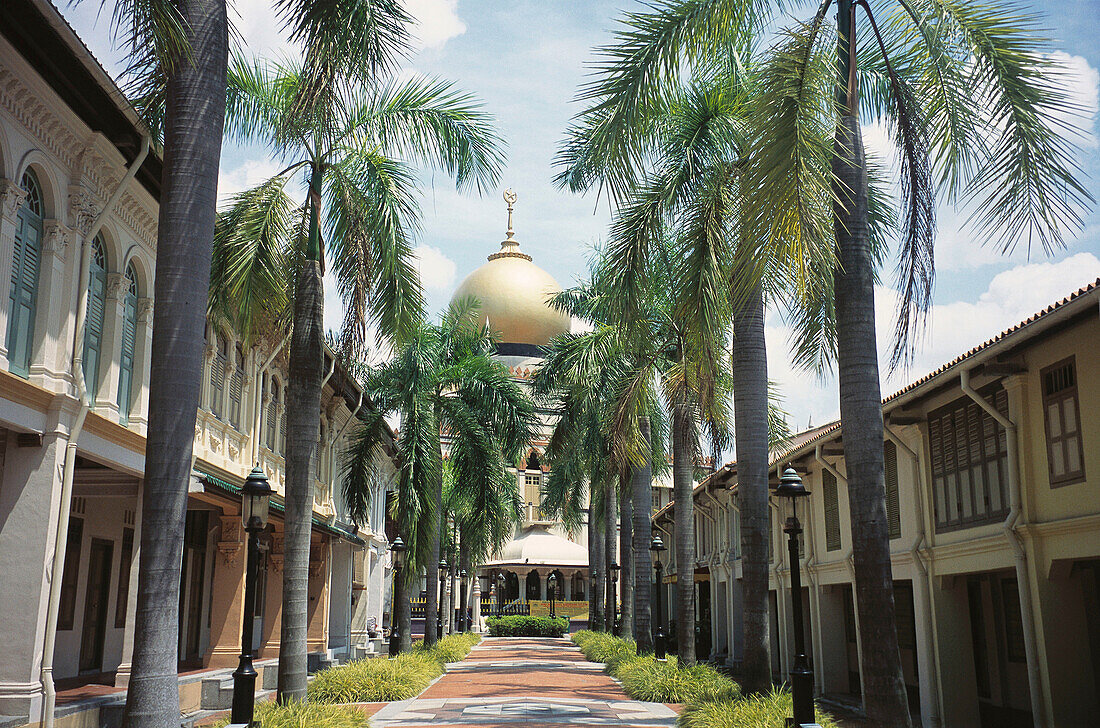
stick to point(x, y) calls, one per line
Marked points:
point(126, 356)
point(217, 379)
point(236, 387)
point(24, 291)
point(893, 507)
point(93, 325)
point(832, 511)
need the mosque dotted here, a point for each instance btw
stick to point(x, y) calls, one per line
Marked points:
point(513, 293)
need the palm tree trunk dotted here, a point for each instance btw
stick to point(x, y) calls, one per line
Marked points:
point(626, 561)
point(596, 569)
point(431, 604)
point(194, 121)
point(884, 697)
point(303, 429)
point(611, 539)
point(642, 491)
point(452, 576)
point(684, 516)
point(750, 404)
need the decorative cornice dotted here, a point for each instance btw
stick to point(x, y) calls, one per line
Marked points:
point(145, 310)
point(55, 238)
point(115, 282)
point(13, 196)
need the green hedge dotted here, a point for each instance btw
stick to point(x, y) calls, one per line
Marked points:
point(759, 711)
point(522, 626)
point(297, 713)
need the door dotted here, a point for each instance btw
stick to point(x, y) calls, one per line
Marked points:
point(851, 642)
point(997, 643)
point(96, 599)
point(192, 587)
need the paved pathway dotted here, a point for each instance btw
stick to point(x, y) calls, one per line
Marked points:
point(507, 682)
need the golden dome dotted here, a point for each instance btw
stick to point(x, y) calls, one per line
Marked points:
point(513, 293)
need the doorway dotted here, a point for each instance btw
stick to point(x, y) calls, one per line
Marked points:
point(997, 643)
point(192, 588)
point(851, 641)
point(96, 599)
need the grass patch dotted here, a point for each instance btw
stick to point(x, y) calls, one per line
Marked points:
point(372, 680)
point(297, 713)
point(524, 626)
point(759, 711)
point(390, 678)
point(664, 681)
point(605, 648)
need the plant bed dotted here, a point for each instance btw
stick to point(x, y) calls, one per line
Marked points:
point(759, 711)
point(297, 713)
point(524, 626)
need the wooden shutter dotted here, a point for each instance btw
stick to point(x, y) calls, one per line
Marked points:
point(893, 512)
point(832, 511)
point(23, 300)
point(126, 356)
point(93, 325)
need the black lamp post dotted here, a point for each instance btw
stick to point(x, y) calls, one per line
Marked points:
point(657, 546)
point(397, 553)
point(255, 498)
point(802, 678)
point(462, 621)
point(614, 569)
point(500, 593)
point(552, 586)
point(439, 611)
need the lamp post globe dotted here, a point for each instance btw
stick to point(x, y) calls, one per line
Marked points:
point(791, 490)
point(657, 546)
point(255, 500)
point(397, 555)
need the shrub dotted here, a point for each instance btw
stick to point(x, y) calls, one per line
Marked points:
point(522, 626)
point(298, 713)
point(759, 711)
point(451, 648)
point(605, 648)
point(661, 681)
point(372, 680)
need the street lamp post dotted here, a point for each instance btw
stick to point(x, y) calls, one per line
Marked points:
point(802, 678)
point(615, 627)
point(255, 498)
point(397, 553)
point(463, 622)
point(552, 585)
point(500, 593)
point(439, 611)
point(657, 546)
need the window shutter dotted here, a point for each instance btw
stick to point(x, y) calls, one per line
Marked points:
point(26, 261)
point(129, 340)
point(893, 512)
point(217, 379)
point(832, 511)
point(93, 325)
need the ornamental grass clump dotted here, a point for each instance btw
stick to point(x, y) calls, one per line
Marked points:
point(451, 648)
point(298, 713)
point(758, 711)
point(605, 648)
point(664, 681)
point(375, 680)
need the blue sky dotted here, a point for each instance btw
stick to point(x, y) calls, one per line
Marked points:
point(526, 59)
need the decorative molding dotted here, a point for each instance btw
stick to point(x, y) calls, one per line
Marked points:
point(145, 310)
point(55, 238)
point(115, 282)
point(230, 543)
point(13, 195)
point(83, 208)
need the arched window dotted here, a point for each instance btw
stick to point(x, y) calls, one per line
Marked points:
point(93, 324)
point(26, 261)
point(273, 415)
point(129, 339)
point(217, 376)
point(236, 388)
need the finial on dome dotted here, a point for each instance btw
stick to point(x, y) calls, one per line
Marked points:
point(509, 247)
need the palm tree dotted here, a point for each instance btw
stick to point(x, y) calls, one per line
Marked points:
point(447, 389)
point(974, 108)
point(342, 136)
point(183, 48)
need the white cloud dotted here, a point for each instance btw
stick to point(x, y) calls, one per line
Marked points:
point(1081, 83)
point(250, 173)
point(953, 328)
point(437, 271)
point(437, 21)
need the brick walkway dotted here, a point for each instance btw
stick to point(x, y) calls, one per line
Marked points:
point(507, 682)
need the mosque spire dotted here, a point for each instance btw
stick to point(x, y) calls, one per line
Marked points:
point(509, 247)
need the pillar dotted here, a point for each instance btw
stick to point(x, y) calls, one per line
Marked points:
point(319, 565)
point(227, 607)
point(29, 508)
point(122, 673)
